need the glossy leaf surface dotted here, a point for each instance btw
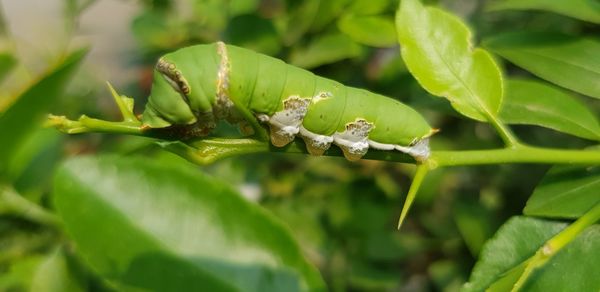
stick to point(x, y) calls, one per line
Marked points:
point(574, 268)
point(536, 103)
point(163, 226)
point(436, 47)
point(565, 192)
point(569, 61)
point(588, 10)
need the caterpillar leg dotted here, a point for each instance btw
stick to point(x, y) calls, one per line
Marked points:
point(354, 140)
point(315, 144)
point(285, 124)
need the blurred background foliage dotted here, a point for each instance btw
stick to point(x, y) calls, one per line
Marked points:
point(343, 214)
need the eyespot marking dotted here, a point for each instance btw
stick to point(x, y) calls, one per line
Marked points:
point(173, 76)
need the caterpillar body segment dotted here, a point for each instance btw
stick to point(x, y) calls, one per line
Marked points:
point(199, 85)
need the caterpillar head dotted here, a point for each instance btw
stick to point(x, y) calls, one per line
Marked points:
point(169, 101)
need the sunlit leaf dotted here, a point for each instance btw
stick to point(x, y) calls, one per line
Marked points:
point(569, 61)
point(164, 226)
point(565, 192)
point(574, 268)
point(24, 114)
point(361, 28)
point(436, 47)
point(588, 10)
point(325, 50)
point(535, 103)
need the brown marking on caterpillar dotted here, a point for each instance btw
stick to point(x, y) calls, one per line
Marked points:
point(224, 107)
point(173, 76)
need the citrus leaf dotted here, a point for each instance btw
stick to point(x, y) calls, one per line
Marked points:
point(30, 107)
point(361, 28)
point(437, 50)
point(536, 103)
point(581, 9)
point(569, 61)
point(502, 261)
point(565, 192)
point(164, 226)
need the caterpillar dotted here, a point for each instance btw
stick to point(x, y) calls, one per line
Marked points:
point(199, 85)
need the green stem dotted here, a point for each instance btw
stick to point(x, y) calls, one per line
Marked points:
point(13, 203)
point(507, 136)
point(556, 243)
point(207, 151)
point(86, 124)
point(422, 170)
point(516, 154)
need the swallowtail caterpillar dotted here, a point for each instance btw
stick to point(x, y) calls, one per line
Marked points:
point(196, 86)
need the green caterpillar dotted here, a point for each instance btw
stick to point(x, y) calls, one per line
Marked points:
point(199, 85)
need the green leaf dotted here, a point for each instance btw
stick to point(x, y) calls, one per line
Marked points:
point(565, 192)
point(437, 50)
point(574, 268)
point(7, 63)
point(325, 50)
point(23, 116)
point(588, 10)
point(164, 226)
point(569, 61)
point(536, 103)
point(361, 28)
point(53, 275)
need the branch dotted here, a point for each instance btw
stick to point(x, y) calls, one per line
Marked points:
point(13, 203)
